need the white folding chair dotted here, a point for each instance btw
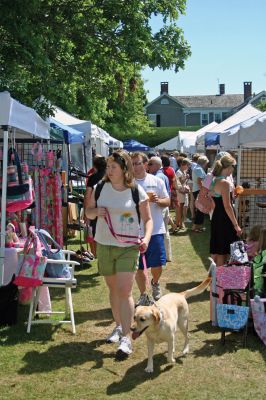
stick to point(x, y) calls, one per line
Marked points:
point(63, 283)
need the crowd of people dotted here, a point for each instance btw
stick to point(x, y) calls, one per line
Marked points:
point(130, 217)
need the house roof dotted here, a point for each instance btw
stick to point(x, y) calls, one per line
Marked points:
point(210, 101)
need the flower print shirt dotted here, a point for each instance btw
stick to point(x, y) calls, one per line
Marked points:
point(124, 217)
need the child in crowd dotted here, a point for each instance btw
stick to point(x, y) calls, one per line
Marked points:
point(253, 241)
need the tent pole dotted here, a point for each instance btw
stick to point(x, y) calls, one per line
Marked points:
point(239, 154)
point(3, 204)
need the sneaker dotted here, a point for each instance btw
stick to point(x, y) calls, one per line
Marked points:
point(156, 290)
point(124, 349)
point(144, 300)
point(115, 336)
point(188, 221)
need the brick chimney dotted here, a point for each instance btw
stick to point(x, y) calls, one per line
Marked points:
point(164, 87)
point(222, 88)
point(247, 90)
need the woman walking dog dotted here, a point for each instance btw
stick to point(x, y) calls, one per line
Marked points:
point(119, 242)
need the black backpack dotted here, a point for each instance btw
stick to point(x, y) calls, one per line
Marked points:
point(134, 191)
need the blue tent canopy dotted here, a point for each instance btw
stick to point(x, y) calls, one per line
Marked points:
point(212, 139)
point(134, 145)
point(71, 135)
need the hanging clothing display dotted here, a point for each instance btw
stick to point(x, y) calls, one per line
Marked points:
point(47, 213)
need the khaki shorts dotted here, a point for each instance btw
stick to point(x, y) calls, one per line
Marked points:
point(113, 259)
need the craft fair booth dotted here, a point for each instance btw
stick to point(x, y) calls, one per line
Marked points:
point(248, 142)
point(96, 139)
point(16, 122)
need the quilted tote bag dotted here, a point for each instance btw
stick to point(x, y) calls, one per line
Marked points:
point(53, 270)
point(20, 193)
point(231, 316)
point(32, 264)
point(233, 277)
point(204, 201)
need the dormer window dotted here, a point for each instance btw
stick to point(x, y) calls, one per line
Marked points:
point(164, 101)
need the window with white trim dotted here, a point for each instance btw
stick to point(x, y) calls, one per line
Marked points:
point(164, 101)
point(204, 119)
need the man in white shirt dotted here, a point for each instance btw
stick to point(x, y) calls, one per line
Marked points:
point(155, 254)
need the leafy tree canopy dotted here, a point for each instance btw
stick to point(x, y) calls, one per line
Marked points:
point(86, 55)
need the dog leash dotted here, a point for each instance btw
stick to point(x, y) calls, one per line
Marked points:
point(133, 240)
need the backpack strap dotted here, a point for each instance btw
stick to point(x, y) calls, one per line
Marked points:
point(98, 190)
point(134, 192)
point(135, 197)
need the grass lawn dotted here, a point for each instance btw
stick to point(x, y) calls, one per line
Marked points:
point(51, 363)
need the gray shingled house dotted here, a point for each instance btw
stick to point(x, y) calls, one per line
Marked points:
point(168, 110)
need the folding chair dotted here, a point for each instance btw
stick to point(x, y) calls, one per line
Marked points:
point(65, 283)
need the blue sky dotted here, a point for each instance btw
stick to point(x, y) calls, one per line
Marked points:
point(227, 39)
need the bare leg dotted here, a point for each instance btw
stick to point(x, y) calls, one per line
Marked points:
point(125, 282)
point(113, 297)
point(141, 280)
point(121, 300)
point(156, 273)
point(221, 259)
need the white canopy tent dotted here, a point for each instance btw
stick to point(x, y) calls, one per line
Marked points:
point(187, 141)
point(115, 143)
point(26, 123)
point(249, 133)
point(200, 141)
point(246, 112)
point(171, 144)
point(95, 137)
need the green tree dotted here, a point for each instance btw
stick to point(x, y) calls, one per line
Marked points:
point(86, 55)
point(262, 105)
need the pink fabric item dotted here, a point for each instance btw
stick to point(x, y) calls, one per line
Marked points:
point(233, 277)
point(33, 263)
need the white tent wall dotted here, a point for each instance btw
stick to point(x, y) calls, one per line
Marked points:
point(246, 112)
point(171, 144)
point(249, 133)
point(27, 123)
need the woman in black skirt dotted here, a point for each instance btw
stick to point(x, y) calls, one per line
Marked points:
point(224, 226)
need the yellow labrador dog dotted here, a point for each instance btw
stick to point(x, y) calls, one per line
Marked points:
point(159, 321)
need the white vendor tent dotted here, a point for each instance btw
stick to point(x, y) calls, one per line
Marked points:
point(171, 144)
point(187, 141)
point(95, 137)
point(200, 141)
point(249, 133)
point(115, 143)
point(26, 123)
point(212, 136)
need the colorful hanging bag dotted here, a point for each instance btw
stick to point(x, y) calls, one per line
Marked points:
point(232, 316)
point(32, 264)
point(53, 270)
point(204, 201)
point(20, 193)
point(233, 277)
